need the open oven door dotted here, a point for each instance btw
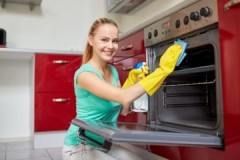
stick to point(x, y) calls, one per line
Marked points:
point(144, 134)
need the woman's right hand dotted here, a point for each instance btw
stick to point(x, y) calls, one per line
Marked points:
point(169, 58)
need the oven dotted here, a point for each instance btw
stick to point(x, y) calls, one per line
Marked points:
point(187, 109)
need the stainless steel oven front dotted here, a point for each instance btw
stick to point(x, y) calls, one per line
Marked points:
point(190, 97)
point(187, 109)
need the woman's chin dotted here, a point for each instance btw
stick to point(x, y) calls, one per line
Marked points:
point(108, 58)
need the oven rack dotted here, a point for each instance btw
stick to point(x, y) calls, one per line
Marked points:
point(194, 70)
point(189, 84)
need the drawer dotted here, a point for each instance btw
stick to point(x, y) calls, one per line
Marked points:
point(54, 73)
point(54, 111)
point(131, 45)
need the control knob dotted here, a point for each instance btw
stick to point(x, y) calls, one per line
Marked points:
point(177, 23)
point(205, 11)
point(149, 35)
point(194, 16)
point(186, 20)
point(155, 33)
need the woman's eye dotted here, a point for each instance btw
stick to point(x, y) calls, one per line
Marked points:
point(104, 40)
point(115, 41)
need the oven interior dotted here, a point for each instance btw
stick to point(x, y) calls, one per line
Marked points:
point(190, 96)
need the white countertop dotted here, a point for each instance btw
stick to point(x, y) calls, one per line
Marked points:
point(26, 54)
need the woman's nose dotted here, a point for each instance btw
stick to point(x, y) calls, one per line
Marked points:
point(110, 44)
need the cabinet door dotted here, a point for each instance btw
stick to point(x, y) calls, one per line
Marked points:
point(54, 111)
point(131, 45)
point(54, 73)
point(123, 67)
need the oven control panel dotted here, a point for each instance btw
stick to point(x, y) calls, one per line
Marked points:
point(196, 16)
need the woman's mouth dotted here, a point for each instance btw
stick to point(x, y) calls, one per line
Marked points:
point(109, 53)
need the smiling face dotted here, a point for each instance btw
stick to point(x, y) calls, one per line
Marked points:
point(104, 42)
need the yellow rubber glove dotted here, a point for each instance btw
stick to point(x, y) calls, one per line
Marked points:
point(166, 66)
point(135, 75)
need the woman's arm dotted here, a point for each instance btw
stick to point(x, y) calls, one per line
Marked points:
point(125, 109)
point(100, 88)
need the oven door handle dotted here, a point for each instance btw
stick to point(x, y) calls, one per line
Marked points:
point(126, 48)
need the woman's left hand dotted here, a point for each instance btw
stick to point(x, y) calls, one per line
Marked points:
point(136, 74)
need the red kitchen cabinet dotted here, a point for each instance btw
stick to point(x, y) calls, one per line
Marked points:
point(131, 45)
point(54, 92)
point(54, 111)
point(229, 24)
point(54, 73)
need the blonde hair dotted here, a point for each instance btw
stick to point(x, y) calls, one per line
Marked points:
point(88, 52)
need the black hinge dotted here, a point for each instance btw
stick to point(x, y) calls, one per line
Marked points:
point(106, 146)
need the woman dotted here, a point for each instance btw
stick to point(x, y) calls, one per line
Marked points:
point(99, 95)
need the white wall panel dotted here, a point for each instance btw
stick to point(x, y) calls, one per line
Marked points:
point(15, 96)
point(55, 25)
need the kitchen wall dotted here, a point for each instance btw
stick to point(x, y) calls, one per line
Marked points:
point(55, 25)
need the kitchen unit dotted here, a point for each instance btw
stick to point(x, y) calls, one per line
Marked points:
point(195, 114)
point(191, 98)
point(227, 113)
point(54, 98)
point(54, 93)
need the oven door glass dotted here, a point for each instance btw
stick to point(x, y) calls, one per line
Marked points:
point(146, 134)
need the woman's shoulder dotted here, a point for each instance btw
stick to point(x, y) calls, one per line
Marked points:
point(86, 68)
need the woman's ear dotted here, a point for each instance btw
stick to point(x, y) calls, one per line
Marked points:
point(90, 40)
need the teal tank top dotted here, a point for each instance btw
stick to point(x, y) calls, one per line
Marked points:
point(91, 107)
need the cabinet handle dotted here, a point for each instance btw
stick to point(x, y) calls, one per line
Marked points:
point(230, 4)
point(61, 62)
point(60, 100)
point(126, 48)
point(117, 64)
point(127, 68)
